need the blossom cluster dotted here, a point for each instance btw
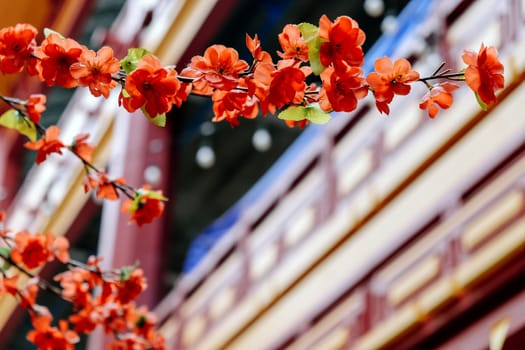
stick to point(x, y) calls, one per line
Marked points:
point(99, 298)
point(332, 50)
point(64, 62)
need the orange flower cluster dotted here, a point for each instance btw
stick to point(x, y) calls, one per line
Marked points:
point(57, 60)
point(332, 50)
point(342, 55)
point(105, 299)
point(239, 89)
point(47, 337)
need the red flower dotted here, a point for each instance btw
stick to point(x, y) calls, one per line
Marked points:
point(31, 251)
point(229, 105)
point(219, 67)
point(145, 207)
point(129, 289)
point(35, 250)
point(81, 148)
point(390, 79)
point(277, 87)
point(16, 46)
point(438, 96)
point(51, 338)
point(342, 88)
point(85, 320)
point(76, 285)
point(79, 283)
point(49, 143)
point(144, 323)
point(292, 43)
point(56, 55)
point(35, 105)
point(484, 74)
point(342, 41)
point(106, 188)
point(150, 85)
point(114, 318)
point(95, 70)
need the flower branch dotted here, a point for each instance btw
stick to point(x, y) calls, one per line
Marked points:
point(331, 50)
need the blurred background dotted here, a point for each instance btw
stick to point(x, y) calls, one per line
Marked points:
point(370, 232)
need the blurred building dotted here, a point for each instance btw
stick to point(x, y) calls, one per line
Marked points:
point(370, 232)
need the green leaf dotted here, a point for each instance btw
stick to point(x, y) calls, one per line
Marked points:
point(14, 120)
point(152, 194)
point(316, 115)
point(295, 113)
point(48, 31)
point(141, 322)
point(134, 206)
point(156, 195)
point(125, 273)
point(482, 104)
point(5, 253)
point(311, 112)
point(143, 193)
point(158, 120)
point(125, 93)
point(131, 61)
point(313, 41)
